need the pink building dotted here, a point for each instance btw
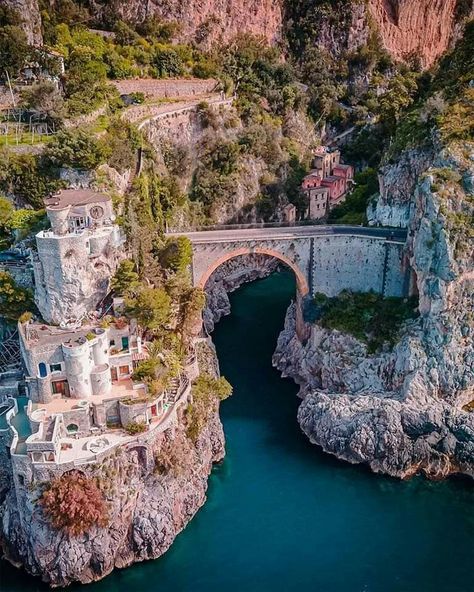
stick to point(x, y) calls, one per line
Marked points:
point(311, 180)
point(324, 161)
point(344, 170)
point(337, 188)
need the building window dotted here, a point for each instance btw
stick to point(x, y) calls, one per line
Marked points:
point(112, 342)
point(43, 372)
point(124, 342)
point(21, 480)
point(55, 368)
point(72, 428)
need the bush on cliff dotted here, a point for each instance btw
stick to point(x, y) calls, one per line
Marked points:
point(207, 391)
point(176, 253)
point(369, 317)
point(74, 504)
point(76, 148)
point(150, 306)
point(14, 300)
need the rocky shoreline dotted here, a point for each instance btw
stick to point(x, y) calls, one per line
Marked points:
point(152, 493)
point(403, 412)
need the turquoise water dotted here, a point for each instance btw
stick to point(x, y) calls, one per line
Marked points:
point(283, 516)
point(22, 425)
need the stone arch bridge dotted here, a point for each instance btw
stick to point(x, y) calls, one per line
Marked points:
point(325, 259)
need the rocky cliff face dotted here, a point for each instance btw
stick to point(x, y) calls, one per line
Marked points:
point(207, 21)
point(417, 28)
point(228, 278)
point(148, 507)
point(30, 14)
point(403, 412)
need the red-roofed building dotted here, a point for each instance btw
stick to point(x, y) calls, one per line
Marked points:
point(344, 170)
point(310, 181)
point(337, 188)
point(327, 184)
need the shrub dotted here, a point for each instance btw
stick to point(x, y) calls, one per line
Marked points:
point(136, 427)
point(76, 148)
point(74, 504)
point(174, 456)
point(14, 300)
point(206, 392)
point(27, 177)
point(150, 307)
point(25, 317)
point(176, 254)
point(369, 317)
point(168, 63)
point(146, 370)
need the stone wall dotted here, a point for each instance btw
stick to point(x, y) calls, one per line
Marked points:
point(169, 88)
point(357, 264)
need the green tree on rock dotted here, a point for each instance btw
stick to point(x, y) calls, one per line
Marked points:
point(150, 307)
point(176, 254)
point(125, 278)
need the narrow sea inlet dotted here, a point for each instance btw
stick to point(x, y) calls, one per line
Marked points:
point(283, 516)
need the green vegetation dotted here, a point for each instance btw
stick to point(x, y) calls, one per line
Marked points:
point(27, 176)
point(73, 503)
point(13, 43)
point(150, 306)
point(176, 254)
point(353, 210)
point(175, 456)
point(14, 300)
point(136, 427)
point(76, 148)
point(367, 316)
point(207, 391)
point(125, 279)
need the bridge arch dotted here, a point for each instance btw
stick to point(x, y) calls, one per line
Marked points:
point(301, 281)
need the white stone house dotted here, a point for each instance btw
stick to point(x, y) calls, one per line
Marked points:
point(77, 257)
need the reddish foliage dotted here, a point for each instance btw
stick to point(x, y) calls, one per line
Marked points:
point(73, 503)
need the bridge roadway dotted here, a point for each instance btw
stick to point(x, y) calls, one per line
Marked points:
point(397, 235)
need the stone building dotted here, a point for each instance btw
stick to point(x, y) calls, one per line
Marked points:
point(325, 160)
point(76, 258)
point(78, 364)
point(328, 182)
point(289, 214)
point(318, 203)
point(337, 188)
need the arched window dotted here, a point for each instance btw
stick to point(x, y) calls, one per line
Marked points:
point(72, 428)
point(42, 370)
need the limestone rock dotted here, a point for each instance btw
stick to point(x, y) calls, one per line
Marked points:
point(401, 411)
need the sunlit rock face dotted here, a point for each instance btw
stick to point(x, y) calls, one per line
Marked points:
point(403, 411)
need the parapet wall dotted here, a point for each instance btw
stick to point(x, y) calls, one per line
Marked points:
point(360, 264)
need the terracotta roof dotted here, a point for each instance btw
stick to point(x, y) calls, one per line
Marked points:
point(74, 197)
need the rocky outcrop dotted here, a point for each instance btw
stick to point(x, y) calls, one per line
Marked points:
point(229, 277)
point(205, 21)
point(148, 506)
point(422, 29)
point(403, 411)
point(31, 18)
